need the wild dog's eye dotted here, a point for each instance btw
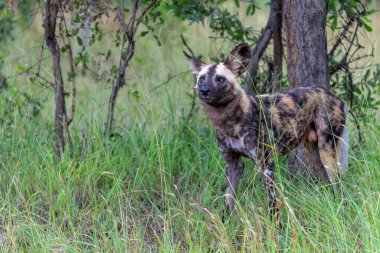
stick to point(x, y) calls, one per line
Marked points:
point(220, 79)
point(201, 79)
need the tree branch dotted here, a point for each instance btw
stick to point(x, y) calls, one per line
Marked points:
point(170, 77)
point(187, 45)
point(261, 46)
point(127, 53)
point(145, 12)
point(192, 108)
point(278, 50)
point(72, 71)
point(343, 62)
point(345, 35)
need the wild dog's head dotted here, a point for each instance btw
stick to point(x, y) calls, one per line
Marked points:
point(217, 83)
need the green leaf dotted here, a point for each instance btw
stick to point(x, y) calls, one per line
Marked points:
point(86, 58)
point(32, 80)
point(136, 95)
point(334, 23)
point(248, 10)
point(143, 33)
point(77, 60)
point(367, 27)
point(75, 32)
point(161, 6)
point(100, 36)
point(79, 40)
point(331, 5)
point(157, 40)
point(108, 54)
point(370, 12)
point(19, 68)
point(76, 18)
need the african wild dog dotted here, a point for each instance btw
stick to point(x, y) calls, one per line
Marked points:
point(257, 127)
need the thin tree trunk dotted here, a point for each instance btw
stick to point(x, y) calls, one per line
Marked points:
point(126, 56)
point(51, 41)
point(119, 82)
point(305, 23)
point(278, 50)
point(69, 119)
point(260, 47)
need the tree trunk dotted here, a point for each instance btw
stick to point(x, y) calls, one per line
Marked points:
point(51, 41)
point(126, 56)
point(277, 42)
point(261, 46)
point(305, 24)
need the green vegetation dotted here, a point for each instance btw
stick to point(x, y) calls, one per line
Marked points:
point(160, 189)
point(158, 185)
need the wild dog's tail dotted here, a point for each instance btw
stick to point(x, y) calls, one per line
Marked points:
point(343, 158)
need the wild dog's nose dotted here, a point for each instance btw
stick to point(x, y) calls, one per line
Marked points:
point(204, 90)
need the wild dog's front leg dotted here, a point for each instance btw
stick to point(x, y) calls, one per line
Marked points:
point(266, 169)
point(234, 170)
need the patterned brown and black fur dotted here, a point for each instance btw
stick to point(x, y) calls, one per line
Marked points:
point(259, 127)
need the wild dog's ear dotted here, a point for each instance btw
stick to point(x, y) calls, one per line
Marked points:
point(195, 64)
point(239, 58)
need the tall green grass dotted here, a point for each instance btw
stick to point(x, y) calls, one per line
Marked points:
point(160, 189)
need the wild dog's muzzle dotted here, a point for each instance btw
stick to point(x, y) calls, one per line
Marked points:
point(204, 91)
